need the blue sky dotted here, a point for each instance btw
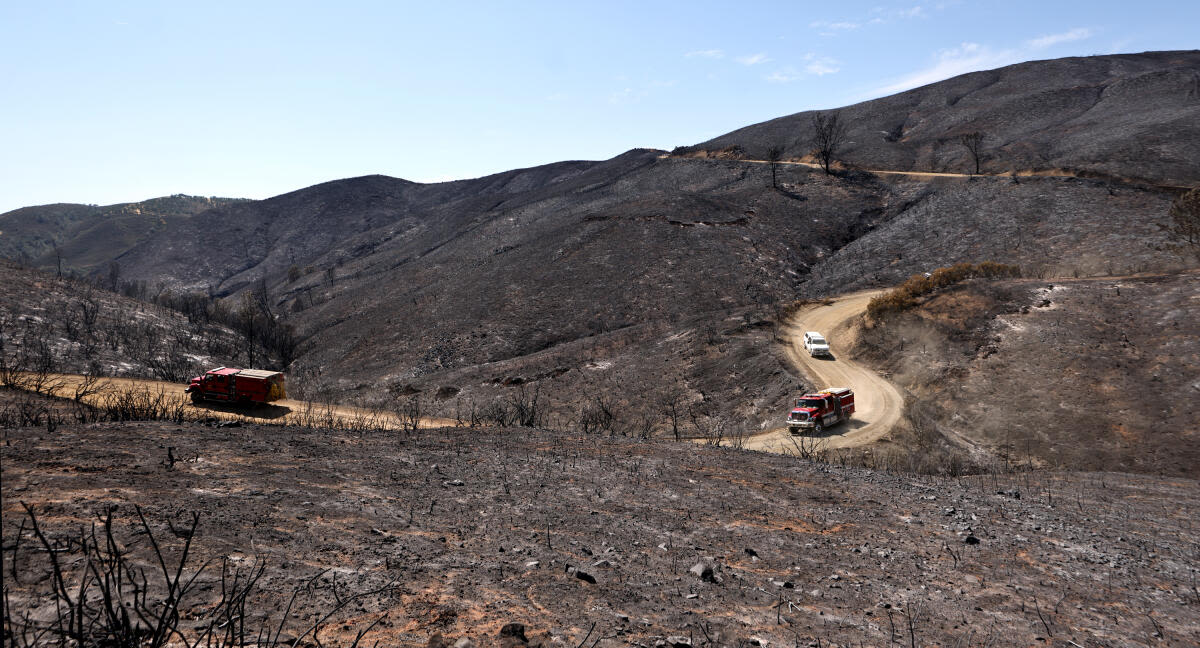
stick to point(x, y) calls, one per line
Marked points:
point(104, 102)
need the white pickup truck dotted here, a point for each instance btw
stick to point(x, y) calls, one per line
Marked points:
point(815, 344)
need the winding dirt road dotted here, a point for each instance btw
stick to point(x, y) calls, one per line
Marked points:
point(1021, 173)
point(878, 404)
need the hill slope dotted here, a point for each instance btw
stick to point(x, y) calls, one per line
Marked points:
point(89, 236)
point(1123, 116)
point(626, 285)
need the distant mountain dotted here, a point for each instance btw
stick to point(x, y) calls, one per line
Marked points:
point(89, 236)
point(1125, 115)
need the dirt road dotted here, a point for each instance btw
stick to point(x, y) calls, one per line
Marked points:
point(1026, 173)
point(282, 412)
point(878, 404)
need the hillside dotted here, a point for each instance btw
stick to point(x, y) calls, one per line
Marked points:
point(53, 325)
point(1118, 116)
point(648, 286)
point(1095, 374)
point(89, 236)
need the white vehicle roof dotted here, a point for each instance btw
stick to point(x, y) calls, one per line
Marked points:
point(814, 334)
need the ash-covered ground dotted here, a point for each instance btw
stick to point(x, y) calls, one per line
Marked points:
point(607, 542)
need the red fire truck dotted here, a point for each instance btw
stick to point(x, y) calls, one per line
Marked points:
point(815, 412)
point(231, 385)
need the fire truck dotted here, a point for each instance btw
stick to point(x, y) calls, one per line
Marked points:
point(815, 412)
point(245, 386)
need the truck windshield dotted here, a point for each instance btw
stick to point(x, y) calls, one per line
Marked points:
point(808, 402)
point(818, 340)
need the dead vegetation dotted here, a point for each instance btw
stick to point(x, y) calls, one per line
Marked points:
point(907, 294)
point(612, 540)
point(1072, 374)
point(100, 586)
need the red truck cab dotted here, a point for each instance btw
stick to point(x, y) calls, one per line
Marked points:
point(815, 412)
point(230, 385)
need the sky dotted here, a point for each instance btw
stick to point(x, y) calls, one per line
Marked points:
point(107, 102)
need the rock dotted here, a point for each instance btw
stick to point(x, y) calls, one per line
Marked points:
point(464, 642)
point(602, 563)
point(752, 553)
point(453, 482)
point(679, 641)
point(436, 641)
point(514, 631)
point(971, 540)
point(585, 577)
point(532, 564)
point(706, 572)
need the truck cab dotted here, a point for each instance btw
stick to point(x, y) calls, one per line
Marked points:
point(814, 412)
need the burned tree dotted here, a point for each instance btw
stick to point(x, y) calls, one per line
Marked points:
point(774, 155)
point(829, 133)
point(973, 142)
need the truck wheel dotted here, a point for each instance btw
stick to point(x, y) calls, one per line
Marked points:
point(195, 397)
point(818, 428)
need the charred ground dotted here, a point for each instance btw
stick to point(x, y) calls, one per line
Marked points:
point(576, 536)
point(1093, 374)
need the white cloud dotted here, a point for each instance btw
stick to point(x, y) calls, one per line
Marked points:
point(623, 96)
point(841, 25)
point(968, 57)
point(785, 75)
point(709, 53)
point(753, 59)
point(821, 66)
point(814, 66)
point(1042, 42)
point(973, 57)
point(876, 16)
